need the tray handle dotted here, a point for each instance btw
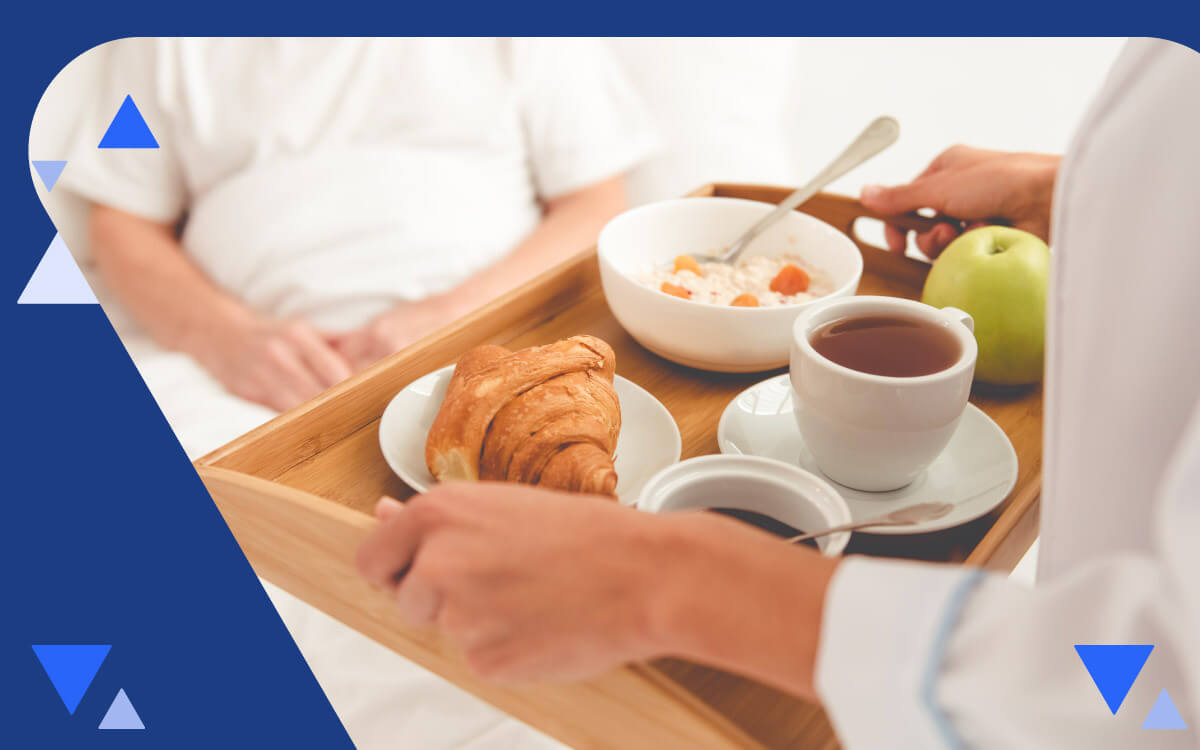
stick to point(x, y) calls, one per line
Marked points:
point(844, 212)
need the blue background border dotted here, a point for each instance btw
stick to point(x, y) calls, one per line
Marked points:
point(108, 535)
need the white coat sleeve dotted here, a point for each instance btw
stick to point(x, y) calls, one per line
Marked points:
point(921, 656)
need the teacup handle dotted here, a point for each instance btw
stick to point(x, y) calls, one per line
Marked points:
point(958, 316)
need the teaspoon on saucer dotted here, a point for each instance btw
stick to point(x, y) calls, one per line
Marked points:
point(899, 517)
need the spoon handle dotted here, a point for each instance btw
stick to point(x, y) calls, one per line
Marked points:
point(879, 521)
point(877, 136)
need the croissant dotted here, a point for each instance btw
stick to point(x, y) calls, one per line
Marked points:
point(546, 416)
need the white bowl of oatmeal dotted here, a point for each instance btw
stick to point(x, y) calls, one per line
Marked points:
point(712, 316)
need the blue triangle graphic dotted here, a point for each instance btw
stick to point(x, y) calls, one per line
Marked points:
point(1164, 715)
point(120, 714)
point(49, 171)
point(71, 668)
point(1114, 668)
point(57, 280)
point(128, 129)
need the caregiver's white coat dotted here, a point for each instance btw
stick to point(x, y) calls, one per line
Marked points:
point(918, 656)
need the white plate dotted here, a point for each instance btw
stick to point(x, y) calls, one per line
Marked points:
point(649, 439)
point(976, 471)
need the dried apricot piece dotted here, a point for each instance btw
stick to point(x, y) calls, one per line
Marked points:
point(791, 279)
point(687, 263)
point(744, 300)
point(675, 291)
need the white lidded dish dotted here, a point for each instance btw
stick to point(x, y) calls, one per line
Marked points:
point(773, 488)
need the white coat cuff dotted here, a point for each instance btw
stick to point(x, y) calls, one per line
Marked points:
point(883, 639)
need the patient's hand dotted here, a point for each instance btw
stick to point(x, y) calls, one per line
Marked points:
point(538, 585)
point(279, 364)
point(390, 332)
point(977, 186)
point(276, 363)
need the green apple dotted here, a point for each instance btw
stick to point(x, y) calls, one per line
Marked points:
point(998, 275)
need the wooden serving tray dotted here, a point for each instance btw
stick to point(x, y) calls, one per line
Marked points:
point(298, 493)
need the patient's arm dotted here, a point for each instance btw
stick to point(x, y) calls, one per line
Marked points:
point(569, 224)
point(276, 363)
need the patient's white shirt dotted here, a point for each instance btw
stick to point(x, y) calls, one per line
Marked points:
point(329, 179)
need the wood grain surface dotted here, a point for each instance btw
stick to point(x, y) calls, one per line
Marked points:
point(274, 483)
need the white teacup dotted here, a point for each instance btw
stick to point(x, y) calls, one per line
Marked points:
point(875, 432)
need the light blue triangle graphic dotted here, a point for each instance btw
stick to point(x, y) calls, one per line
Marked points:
point(120, 714)
point(1114, 668)
point(57, 280)
point(49, 171)
point(71, 668)
point(128, 129)
point(1164, 715)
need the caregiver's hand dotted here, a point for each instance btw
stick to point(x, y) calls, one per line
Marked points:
point(975, 185)
point(534, 585)
point(278, 363)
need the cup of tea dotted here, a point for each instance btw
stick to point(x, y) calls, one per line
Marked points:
point(879, 385)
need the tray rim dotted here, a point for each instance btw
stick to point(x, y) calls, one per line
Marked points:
point(234, 461)
point(990, 551)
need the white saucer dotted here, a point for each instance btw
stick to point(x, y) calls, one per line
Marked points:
point(976, 471)
point(649, 439)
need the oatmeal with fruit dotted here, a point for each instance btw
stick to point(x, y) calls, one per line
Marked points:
point(755, 281)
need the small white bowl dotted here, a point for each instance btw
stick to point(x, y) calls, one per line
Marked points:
point(763, 485)
point(712, 337)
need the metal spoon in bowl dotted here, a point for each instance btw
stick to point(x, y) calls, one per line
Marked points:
point(899, 517)
point(880, 134)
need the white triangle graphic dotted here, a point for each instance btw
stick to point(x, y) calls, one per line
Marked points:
point(57, 280)
point(120, 714)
